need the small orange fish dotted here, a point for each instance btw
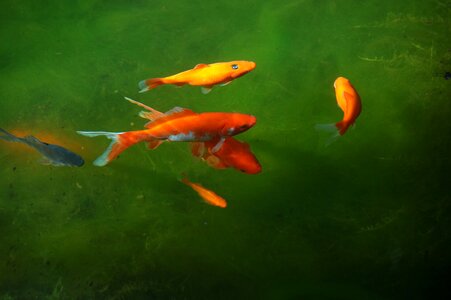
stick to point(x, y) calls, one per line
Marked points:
point(208, 196)
point(349, 102)
point(233, 153)
point(204, 75)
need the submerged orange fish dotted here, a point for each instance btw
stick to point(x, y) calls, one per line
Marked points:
point(204, 75)
point(178, 125)
point(232, 154)
point(349, 102)
point(208, 196)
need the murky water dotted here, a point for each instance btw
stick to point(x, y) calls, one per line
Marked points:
point(367, 217)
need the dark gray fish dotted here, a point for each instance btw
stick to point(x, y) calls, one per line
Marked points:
point(52, 154)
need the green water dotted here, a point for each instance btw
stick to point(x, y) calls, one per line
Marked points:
point(368, 217)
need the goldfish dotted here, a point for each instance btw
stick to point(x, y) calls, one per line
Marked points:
point(349, 102)
point(204, 75)
point(176, 125)
point(208, 196)
point(51, 154)
point(233, 153)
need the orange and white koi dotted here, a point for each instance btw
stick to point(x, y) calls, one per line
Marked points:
point(233, 154)
point(349, 102)
point(207, 195)
point(177, 125)
point(204, 75)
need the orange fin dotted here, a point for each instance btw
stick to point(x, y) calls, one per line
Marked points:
point(198, 149)
point(200, 66)
point(151, 114)
point(148, 84)
point(347, 96)
point(215, 162)
point(154, 144)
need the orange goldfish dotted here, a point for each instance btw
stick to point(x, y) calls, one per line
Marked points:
point(233, 153)
point(208, 196)
point(349, 102)
point(204, 75)
point(177, 125)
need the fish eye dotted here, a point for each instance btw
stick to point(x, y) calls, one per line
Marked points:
point(235, 66)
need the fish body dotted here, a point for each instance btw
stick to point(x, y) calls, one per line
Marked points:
point(233, 154)
point(207, 195)
point(177, 125)
point(51, 154)
point(204, 75)
point(349, 102)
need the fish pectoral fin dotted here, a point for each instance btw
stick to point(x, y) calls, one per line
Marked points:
point(226, 83)
point(218, 145)
point(215, 162)
point(198, 149)
point(347, 96)
point(200, 66)
point(45, 161)
point(206, 89)
point(154, 144)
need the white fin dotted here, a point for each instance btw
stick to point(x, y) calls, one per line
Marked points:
point(174, 110)
point(45, 161)
point(143, 86)
point(329, 128)
point(226, 83)
point(110, 135)
point(205, 90)
point(218, 145)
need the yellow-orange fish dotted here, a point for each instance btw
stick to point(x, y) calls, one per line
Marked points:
point(349, 102)
point(208, 196)
point(204, 75)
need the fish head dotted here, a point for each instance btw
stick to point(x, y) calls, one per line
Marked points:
point(340, 81)
point(237, 123)
point(238, 68)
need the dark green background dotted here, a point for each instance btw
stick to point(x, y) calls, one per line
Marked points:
point(368, 217)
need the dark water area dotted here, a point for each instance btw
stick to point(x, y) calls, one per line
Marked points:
point(367, 217)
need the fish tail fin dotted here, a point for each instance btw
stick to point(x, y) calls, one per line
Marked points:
point(5, 135)
point(184, 179)
point(148, 84)
point(120, 142)
point(342, 127)
point(331, 128)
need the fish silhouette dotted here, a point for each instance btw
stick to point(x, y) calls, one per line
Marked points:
point(51, 154)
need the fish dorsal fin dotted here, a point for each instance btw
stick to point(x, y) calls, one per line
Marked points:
point(200, 66)
point(151, 114)
point(175, 113)
point(178, 109)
